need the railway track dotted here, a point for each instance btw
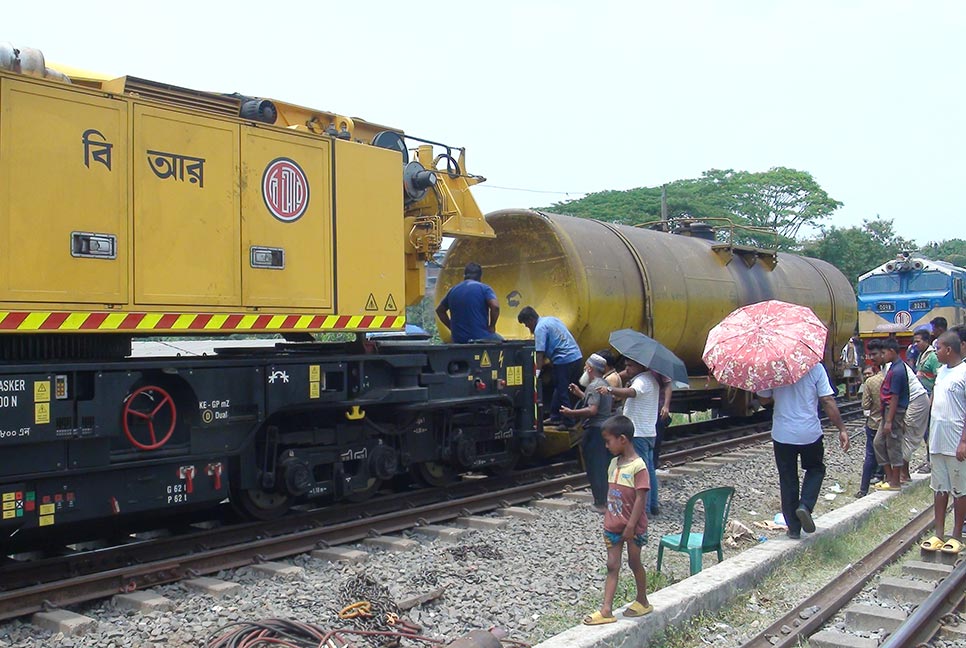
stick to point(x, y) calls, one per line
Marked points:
point(34, 585)
point(141, 561)
point(806, 620)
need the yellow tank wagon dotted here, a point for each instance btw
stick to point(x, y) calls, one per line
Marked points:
point(600, 277)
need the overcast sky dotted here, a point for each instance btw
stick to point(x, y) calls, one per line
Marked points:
point(869, 96)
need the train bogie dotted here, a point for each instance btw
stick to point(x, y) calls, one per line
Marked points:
point(85, 442)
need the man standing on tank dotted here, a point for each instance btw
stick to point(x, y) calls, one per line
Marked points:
point(554, 343)
point(796, 431)
point(470, 308)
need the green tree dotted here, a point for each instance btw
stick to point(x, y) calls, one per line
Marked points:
point(856, 250)
point(781, 199)
point(951, 251)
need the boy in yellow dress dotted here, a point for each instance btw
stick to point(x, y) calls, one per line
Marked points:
point(624, 521)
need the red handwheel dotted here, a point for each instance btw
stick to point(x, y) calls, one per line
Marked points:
point(156, 399)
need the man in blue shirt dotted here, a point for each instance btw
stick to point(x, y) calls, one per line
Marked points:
point(470, 309)
point(554, 343)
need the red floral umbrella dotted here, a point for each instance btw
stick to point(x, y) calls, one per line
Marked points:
point(765, 345)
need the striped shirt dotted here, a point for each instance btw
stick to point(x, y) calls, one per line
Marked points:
point(642, 408)
point(948, 410)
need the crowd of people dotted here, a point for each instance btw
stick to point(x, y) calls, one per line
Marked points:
point(916, 399)
point(623, 411)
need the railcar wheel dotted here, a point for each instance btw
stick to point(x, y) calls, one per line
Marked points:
point(435, 474)
point(260, 505)
point(367, 491)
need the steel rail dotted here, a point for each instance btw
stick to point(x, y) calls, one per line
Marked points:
point(843, 588)
point(925, 622)
point(26, 600)
point(32, 572)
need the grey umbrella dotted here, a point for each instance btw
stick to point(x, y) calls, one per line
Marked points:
point(650, 353)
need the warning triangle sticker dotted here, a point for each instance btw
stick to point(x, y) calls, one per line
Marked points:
point(390, 304)
point(371, 303)
point(485, 360)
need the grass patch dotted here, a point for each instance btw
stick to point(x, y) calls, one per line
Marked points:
point(796, 580)
point(690, 417)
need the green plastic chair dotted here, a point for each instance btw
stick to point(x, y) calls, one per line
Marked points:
point(717, 504)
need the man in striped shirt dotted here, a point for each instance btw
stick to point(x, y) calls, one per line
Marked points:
point(947, 444)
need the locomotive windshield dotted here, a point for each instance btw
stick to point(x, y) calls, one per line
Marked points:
point(926, 281)
point(879, 284)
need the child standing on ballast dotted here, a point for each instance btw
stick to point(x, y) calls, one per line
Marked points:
point(624, 521)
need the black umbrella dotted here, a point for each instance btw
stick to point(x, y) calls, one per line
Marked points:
point(650, 353)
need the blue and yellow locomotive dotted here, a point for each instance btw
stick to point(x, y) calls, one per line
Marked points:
point(906, 293)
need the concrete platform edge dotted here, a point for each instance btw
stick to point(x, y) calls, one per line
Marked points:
point(715, 586)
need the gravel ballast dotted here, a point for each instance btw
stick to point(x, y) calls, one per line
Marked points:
point(550, 575)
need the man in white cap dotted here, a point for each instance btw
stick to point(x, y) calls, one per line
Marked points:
point(593, 408)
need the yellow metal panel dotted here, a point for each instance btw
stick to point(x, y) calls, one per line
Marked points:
point(64, 168)
point(186, 209)
point(369, 230)
point(287, 208)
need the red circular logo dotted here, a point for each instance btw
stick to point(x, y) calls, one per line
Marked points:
point(285, 190)
point(904, 319)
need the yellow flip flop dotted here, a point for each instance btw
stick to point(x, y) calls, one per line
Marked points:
point(884, 486)
point(952, 546)
point(637, 609)
point(932, 544)
point(598, 619)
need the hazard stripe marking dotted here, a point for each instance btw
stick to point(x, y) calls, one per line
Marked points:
point(46, 321)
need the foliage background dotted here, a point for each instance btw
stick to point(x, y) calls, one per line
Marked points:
point(796, 211)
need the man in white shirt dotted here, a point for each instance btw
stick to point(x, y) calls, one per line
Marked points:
point(641, 398)
point(796, 431)
point(947, 444)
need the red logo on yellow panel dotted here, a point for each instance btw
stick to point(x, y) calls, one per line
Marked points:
point(285, 189)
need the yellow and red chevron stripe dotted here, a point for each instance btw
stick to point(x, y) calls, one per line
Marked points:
point(39, 321)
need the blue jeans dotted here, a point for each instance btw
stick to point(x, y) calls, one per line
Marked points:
point(870, 463)
point(793, 494)
point(596, 460)
point(644, 447)
point(563, 375)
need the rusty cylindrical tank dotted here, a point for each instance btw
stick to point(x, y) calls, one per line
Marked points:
point(599, 277)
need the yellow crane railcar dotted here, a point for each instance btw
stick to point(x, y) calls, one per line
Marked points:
point(133, 208)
